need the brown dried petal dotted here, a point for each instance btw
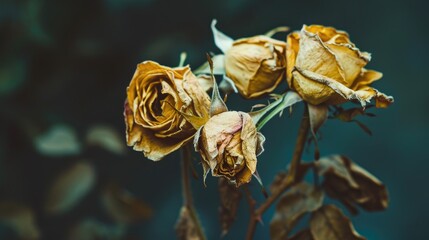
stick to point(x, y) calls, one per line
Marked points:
point(299, 200)
point(329, 222)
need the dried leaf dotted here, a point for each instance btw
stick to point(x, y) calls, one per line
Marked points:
point(318, 115)
point(107, 138)
point(351, 184)
point(299, 200)
point(218, 66)
point(186, 227)
point(123, 207)
point(70, 187)
point(347, 115)
point(329, 222)
point(230, 197)
point(302, 235)
point(59, 140)
point(217, 104)
point(222, 41)
point(20, 218)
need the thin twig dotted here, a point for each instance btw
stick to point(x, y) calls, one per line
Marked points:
point(288, 181)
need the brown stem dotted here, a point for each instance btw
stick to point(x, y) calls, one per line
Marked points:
point(288, 181)
point(186, 184)
point(186, 189)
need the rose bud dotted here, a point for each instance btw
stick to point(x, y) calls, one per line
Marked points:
point(324, 66)
point(160, 101)
point(229, 144)
point(256, 65)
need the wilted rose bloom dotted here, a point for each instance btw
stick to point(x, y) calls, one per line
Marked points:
point(229, 144)
point(324, 66)
point(158, 97)
point(256, 65)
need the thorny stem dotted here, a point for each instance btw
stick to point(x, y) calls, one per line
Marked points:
point(288, 181)
point(188, 202)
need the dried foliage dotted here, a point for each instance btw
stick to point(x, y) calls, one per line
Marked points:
point(299, 200)
point(329, 222)
point(352, 185)
point(70, 187)
point(230, 197)
point(20, 218)
point(186, 226)
point(123, 207)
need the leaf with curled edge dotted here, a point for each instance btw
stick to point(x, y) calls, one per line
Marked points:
point(329, 223)
point(351, 184)
point(348, 115)
point(186, 227)
point(230, 197)
point(122, 206)
point(299, 200)
point(70, 187)
point(20, 218)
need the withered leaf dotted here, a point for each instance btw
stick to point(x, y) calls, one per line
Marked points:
point(70, 187)
point(329, 223)
point(122, 206)
point(318, 115)
point(351, 184)
point(20, 218)
point(230, 197)
point(347, 115)
point(107, 138)
point(302, 235)
point(59, 140)
point(299, 200)
point(186, 227)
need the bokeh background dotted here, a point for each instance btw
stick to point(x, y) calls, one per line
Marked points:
point(64, 68)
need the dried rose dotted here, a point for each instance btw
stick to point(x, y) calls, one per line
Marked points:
point(324, 66)
point(256, 65)
point(229, 144)
point(160, 102)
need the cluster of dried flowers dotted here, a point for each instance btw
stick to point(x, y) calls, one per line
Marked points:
point(168, 108)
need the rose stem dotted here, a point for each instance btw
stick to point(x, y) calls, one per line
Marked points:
point(186, 156)
point(288, 181)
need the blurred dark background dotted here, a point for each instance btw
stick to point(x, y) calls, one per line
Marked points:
point(64, 68)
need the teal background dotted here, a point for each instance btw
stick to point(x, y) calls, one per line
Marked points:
point(71, 61)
